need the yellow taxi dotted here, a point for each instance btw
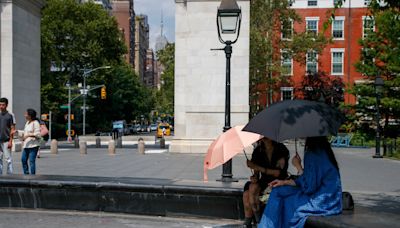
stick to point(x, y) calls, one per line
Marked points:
point(163, 129)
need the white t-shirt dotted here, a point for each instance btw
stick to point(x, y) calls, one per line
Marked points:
point(32, 128)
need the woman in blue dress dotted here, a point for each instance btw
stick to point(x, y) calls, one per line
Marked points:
point(316, 192)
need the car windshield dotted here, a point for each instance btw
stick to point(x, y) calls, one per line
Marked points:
point(163, 127)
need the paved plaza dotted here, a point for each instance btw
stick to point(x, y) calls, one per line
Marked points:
point(374, 183)
point(359, 171)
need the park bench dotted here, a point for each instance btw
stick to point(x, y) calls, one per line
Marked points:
point(341, 140)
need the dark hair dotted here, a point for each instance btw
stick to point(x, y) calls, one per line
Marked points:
point(4, 100)
point(31, 113)
point(315, 143)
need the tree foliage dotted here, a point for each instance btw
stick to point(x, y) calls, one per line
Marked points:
point(165, 96)
point(380, 54)
point(321, 87)
point(268, 20)
point(84, 36)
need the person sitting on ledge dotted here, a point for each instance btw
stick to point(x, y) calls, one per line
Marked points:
point(269, 162)
point(316, 192)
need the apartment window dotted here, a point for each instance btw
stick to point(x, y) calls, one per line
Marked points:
point(287, 29)
point(337, 61)
point(287, 63)
point(312, 25)
point(338, 28)
point(368, 26)
point(286, 93)
point(312, 62)
point(312, 2)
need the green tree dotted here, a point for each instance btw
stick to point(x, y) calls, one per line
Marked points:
point(268, 20)
point(380, 55)
point(165, 96)
point(84, 36)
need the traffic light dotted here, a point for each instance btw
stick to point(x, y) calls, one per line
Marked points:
point(103, 93)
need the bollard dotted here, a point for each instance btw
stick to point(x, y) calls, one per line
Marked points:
point(76, 142)
point(119, 142)
point(111, 147)
point(98, 142)
point(162, 143)
point(83, 147)
point(54, 146)
point(141, 146)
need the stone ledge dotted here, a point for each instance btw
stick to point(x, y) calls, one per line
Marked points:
point(160, 197)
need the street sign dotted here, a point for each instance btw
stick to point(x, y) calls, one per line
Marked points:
point(64, 106)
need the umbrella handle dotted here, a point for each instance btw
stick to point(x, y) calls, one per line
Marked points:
point(245, 154)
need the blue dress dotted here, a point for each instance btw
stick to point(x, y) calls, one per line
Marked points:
point(318, 192)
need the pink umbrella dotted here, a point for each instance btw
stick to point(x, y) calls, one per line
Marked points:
point(226, 146)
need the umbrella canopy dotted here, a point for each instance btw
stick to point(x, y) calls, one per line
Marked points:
point(226, 146)
point(296, 119)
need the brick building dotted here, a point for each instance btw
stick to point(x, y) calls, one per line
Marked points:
point(123, 11)
point(337, 58)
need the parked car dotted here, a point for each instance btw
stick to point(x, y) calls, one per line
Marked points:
point(153, 127)
point(132, 129)
point(138, 128)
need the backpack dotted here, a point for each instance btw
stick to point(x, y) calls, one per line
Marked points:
point(347, 201)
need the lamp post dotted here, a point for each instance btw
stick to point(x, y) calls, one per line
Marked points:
point(86, 72)
point(378, 91)
point(229, 16)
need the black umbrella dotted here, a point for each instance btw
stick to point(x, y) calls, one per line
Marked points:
point(291, 119)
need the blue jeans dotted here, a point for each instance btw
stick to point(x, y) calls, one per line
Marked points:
point(31, 154)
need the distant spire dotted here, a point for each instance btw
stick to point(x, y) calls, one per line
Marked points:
point(162, 22)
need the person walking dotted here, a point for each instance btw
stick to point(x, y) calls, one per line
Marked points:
point(31, 142)
point(7, 129)
point(316, 192)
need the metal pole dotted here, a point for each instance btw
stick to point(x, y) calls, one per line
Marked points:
point(378, 128)
point(84, 103)
point(227, 167)
point(49, 127)
point(69, 112)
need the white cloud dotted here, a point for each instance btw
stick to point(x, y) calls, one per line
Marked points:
point(152, 8)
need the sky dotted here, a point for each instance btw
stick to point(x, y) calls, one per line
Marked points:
point(153, 8)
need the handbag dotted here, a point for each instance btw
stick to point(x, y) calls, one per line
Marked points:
point(347, 201)
point(43, 130)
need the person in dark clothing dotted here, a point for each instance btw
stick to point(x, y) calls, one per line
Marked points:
point(7, 130)
point(269, 162)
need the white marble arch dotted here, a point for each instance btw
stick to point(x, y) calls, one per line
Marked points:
point(20, 55)
point(200, 75)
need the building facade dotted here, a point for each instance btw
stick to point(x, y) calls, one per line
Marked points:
point(200, 75)
point(150, 73)
point(338, 58)
point(141, 44)
point(123, 11)
point(20, 55)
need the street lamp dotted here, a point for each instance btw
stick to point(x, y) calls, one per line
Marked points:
point(229, 16)
point(86, 72)
point(378, 91)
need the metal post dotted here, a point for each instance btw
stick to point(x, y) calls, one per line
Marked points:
point(378, 128)
point(84, 103)
point(227, 167)
point(69, 112)
point(49, 127)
